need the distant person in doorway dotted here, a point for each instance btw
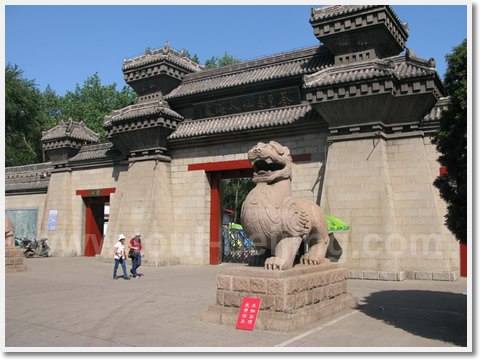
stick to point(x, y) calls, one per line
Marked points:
point(120, 257)
point(135, 253)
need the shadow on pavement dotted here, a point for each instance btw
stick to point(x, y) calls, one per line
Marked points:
point(429, 314)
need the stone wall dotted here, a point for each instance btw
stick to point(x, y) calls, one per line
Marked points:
point(384, 190)
point(68, 237)
point(143, 203)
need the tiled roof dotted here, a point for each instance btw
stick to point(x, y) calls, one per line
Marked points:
point(350, 73)
point(158, 107)
point(436, 113)
point(337, 10)
point(165, 53)
point(96, 152)
point(333, 11)
point(408, 70)
point(299, 62)
point(396, 66)
point(244, 121)
point(28, 178)
point(72, 130)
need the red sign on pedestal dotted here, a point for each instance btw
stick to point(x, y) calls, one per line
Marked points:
point(248, 313)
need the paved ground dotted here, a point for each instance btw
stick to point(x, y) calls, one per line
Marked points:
point(64, 302)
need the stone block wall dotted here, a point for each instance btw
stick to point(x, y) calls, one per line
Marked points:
point(383, 190)
point(65, 240)
point(142, 203)
point(14, 260)
point(290, 299)
point(357, 189)
point(427, 243)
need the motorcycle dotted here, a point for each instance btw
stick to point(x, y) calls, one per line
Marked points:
point(34, 247)
point(19, 242)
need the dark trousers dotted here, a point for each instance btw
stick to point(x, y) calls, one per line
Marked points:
point(136, 262)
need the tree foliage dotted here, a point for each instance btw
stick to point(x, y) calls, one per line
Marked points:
point(225, 60)
point(24, 118)
point(29, 111)
point(194, 58)
point(91, 102)
point(235, 192)
point(451, 142)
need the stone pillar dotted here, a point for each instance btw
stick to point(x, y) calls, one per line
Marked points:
point(428, 249)
point(66, 240)
point(384, 191)
point(13, 255)
point(358, 190)
point(143, 203)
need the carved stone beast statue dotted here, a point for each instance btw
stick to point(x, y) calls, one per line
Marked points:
point(273, 219)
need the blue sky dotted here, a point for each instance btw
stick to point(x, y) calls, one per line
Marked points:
point(62, 45)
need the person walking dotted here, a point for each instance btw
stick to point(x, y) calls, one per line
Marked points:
point(135, 247)
point(120, 257)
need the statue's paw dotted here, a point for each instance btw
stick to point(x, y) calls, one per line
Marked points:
point(275, 263)
point(308, 259)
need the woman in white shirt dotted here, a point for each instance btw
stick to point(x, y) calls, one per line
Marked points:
point(120, 257)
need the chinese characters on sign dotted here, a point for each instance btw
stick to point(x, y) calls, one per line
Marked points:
point(258, 101)
point(95, 192)
point(248, 313)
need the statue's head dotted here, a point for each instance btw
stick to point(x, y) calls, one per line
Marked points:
point(271, 162)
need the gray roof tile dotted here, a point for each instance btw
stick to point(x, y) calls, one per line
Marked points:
point(436, 113)
point(158, 107)
point(299, 62)
point(28, 177)
point(337, 10)
point(163, 54)
point(72, 130)
point(396, 66)
point(244, 121)
point(96, 152)
point(333, 11)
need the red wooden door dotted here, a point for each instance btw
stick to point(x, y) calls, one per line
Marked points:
point(94, 225)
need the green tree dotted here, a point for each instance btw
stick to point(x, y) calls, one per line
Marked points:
point(24, 118)
point(235, 192)
point(211, 63)
point(52, 105)
point(91, 102)
point(451, 142)
point(194, 58)
point(225, 60)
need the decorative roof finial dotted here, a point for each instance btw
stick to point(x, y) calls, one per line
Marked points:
point(409, 53)
point(166, 48)
point(148, 51)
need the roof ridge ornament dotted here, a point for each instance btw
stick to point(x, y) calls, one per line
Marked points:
point(166, 48)
point(409, 53)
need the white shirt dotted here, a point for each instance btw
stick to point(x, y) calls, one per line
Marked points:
point(120, 249)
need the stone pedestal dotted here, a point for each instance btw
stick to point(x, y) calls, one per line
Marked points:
point(14, 260)
point(291, 299)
